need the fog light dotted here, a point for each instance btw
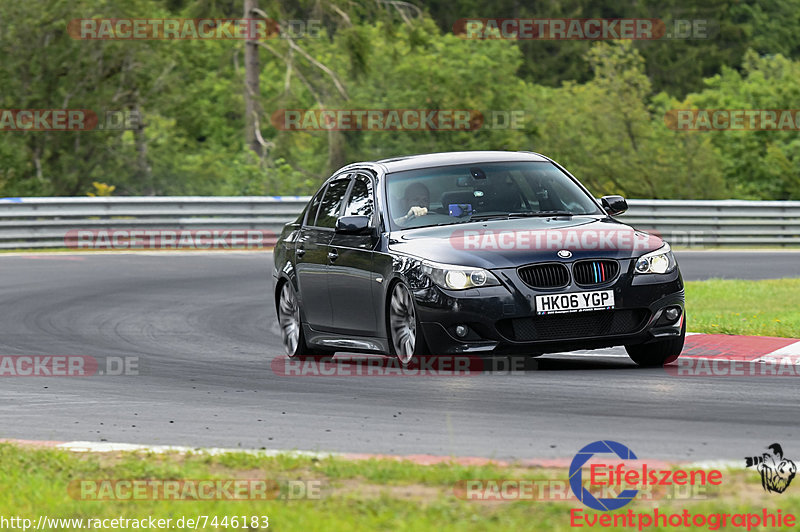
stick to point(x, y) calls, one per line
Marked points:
point(461, 331)
point(672, 313)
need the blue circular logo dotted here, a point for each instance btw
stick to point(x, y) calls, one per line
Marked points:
point(576, 480)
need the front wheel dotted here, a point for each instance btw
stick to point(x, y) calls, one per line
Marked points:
point(405, 332)
point(294, 341)
point(656, 354)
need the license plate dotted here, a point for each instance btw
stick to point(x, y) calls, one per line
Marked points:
point(575, 302)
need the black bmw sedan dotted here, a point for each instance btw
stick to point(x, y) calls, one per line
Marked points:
point(472, 253)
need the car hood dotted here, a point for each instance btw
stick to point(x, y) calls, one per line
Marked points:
point(511, 243)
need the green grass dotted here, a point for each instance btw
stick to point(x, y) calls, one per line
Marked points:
point(761, 308)
point(379, 495)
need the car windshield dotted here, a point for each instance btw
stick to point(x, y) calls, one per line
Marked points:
point(472, 192)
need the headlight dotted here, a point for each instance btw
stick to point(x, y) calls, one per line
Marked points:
point(454, 277)
point(659, 261)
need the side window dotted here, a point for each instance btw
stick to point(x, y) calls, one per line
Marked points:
point(332, 203)
point(361, 202)
point(313, 207)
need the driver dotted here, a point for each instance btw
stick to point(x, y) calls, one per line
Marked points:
point(417, 199)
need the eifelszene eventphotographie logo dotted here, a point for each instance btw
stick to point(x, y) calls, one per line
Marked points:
point(576, 477)
point(776, 471)
point(615, 469)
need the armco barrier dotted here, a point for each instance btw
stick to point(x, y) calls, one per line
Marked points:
point(703, 223)
point(44, 222)
point(30, 223)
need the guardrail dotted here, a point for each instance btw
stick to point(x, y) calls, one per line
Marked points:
point(28, 223)
point(31, 223)
point(703, 223)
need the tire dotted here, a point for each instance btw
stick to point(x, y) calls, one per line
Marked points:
point(656, 354)
point(294, 341)
point(406, 340)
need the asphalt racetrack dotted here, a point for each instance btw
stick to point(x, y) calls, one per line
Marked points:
point(202, 330)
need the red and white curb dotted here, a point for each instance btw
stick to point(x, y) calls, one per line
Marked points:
point(724, 347)
point(743, 348)
point(716, 355)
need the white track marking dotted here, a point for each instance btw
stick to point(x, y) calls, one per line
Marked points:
point(107, 447)
point(716, 464)
point(103, 447)
point(788, 355)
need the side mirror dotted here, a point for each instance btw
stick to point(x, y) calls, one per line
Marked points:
point(614, 205)
point(353, 225)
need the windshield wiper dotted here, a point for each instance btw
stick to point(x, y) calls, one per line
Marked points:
point(509, 215)
point(539, 213)
point(482, 217)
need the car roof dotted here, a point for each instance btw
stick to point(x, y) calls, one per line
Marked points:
point(429, 160)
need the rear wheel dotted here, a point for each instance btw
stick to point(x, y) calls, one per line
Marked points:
point(294, 341)
point(656, 354)
point(405, 332)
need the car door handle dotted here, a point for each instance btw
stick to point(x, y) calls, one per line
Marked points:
point(300, 252)
point(333, 255)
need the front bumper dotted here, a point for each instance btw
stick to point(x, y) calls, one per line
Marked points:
point(503, 320)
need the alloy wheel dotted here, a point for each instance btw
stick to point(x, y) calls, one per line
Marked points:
point(402, 323)
point(289, 319)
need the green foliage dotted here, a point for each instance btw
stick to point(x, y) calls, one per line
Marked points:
point(757, 164)
point(610, 132)
point(676, 66)
point(598, 108)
